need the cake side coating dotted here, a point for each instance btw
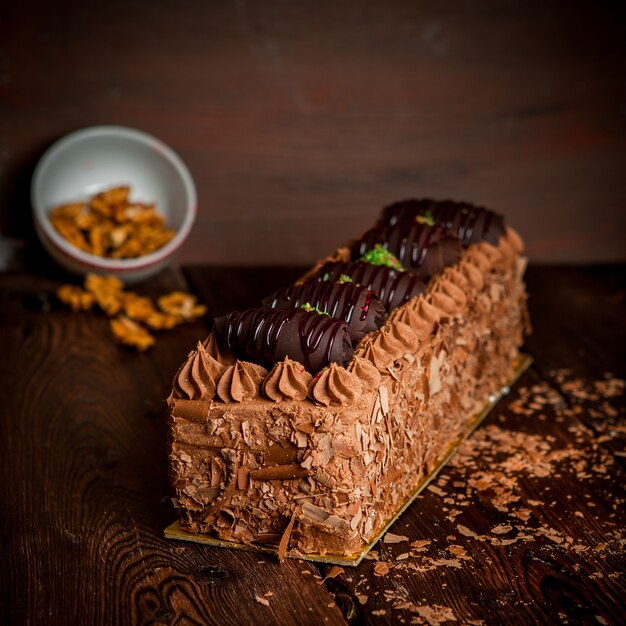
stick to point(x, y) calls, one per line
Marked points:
point(319, 464)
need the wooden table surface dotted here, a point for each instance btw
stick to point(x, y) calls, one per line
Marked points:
point(525, 525)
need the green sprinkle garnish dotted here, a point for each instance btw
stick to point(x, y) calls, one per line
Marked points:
point(426, 218)
point(379, 255)
point(307, 306)
point(344, 278)
point(326, 276)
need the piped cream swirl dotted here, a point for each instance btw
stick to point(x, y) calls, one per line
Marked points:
point(366, 372)
point(409, 315)
point(288, 380)
point(334, 385)
point(376, 355)
point(240, 381)
point(196, 379)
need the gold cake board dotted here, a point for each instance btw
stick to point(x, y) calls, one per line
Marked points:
point(174, 531)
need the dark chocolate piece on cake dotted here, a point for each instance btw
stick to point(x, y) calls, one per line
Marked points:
point(267, 336)
point(469, 223)
point(358, 306)
point(393, 287)
point(421, 248)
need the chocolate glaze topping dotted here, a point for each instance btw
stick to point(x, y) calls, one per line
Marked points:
point(393, 287)
point(469, 223)
point(267, 335)
point(425, 235)
point(421, 248)
point(358, 306)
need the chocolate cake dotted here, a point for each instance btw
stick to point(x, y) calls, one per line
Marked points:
point(305, 424)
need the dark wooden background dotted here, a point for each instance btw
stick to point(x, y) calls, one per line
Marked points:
point(299, 120)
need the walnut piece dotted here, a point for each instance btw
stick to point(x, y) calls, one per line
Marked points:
point(109, 225)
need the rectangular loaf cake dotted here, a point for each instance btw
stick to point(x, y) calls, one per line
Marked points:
point(318, 462)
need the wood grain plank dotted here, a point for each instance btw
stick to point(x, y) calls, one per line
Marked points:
point(84, 490)
point(579, 341)
point(580, 315)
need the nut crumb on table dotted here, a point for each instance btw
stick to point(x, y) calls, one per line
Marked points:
point(132, 316)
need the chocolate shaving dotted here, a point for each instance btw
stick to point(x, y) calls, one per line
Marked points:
point(271, 539)
point(243, 478)
point(284, 540)
point(280, 455)
point(209, 514)
point(391, 538)
point(194, 410)
point(280, 472)
point(333, 572)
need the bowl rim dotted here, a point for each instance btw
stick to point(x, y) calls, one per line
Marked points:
point(92, 261)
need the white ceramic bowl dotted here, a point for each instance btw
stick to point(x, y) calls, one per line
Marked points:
point(100, 157)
